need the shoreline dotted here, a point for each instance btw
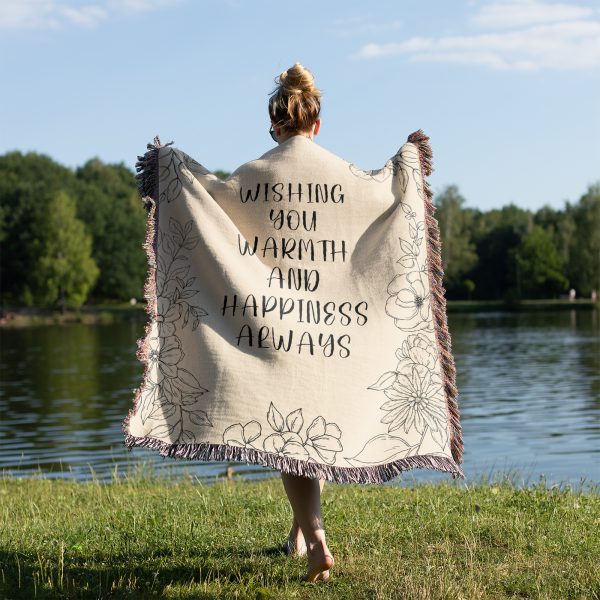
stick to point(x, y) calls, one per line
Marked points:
point(104, 314)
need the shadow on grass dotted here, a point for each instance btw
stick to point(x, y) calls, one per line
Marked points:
point(29, 576)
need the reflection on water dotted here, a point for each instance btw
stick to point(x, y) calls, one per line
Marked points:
point(529, 396)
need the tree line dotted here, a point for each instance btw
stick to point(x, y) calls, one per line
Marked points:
point(74, 236)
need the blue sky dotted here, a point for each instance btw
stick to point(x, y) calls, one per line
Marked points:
point(508, 90)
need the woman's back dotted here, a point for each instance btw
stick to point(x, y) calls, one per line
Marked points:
point(297, 316)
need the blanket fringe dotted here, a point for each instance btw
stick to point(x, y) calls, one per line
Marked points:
point(147, 185)
point(436, 274)
point(148, 175)
point(225, 452)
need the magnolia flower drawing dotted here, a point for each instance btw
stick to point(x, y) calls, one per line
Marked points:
point(319, 442)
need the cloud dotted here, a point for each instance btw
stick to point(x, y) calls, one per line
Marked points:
point(519, 13)
point(552, 36)
point(56, 14)
point(47, 14)
point(138, 5)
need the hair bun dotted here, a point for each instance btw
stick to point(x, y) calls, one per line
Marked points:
point(297, 80)
point(295, 103)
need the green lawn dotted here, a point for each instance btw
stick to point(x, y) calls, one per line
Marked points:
point(152, 537)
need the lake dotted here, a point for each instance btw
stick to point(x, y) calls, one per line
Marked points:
point(529, 396)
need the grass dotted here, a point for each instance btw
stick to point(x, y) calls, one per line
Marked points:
point(146, 536)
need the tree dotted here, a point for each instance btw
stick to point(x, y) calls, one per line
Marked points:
point(458, 251)
point(496, 233)
point(25, 181)
point(584, 251)
point(221, 174)
point(110, 206)
point(65, 270)
point(540, 265)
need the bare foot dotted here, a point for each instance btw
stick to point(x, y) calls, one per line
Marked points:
point(320, 560)
point(295, 543)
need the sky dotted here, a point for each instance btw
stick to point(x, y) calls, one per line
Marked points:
point(508, 91)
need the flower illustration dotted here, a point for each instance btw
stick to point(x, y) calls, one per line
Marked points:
point(415, 400)
point(323, 440)
point(408, 303)
point(286, 443)
point(239, 435)
point(171, 393)
point(165, 353)
point(167, 315)
point(415, 391)
point(417, 349)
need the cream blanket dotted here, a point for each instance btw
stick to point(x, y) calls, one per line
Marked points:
point(297, 317)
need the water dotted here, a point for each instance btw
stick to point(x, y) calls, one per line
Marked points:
point(529, 396)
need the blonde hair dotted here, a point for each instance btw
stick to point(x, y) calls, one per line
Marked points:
point(295, 103)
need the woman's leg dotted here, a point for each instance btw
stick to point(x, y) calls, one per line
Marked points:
point(295, 536)
point(304, 495)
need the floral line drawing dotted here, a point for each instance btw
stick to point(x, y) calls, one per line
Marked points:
point(415, 401)
point(320, 441)
point(172, 394)
point(180, 165)
point(392, 168)
point(414, 390)
point(174, 287)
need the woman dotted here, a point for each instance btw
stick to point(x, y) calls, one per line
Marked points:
point(299, 263)
point(294, 108)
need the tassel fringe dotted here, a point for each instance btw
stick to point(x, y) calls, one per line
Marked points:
point(147, 185)
point(224, 452)
point(436, 273)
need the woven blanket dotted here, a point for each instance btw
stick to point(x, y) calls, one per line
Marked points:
point(296, 315)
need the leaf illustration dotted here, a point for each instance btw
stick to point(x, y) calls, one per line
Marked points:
point(382, 448)
point(407, 261)
point(186, 173)
point(295, 420)
point(418, 182)
point(186, 382)
point(169, 245)
point(186, 437)
point(188, 293)
point(175, 227)
point(174, 189)
point(161, 431)
point(191, 243)
point(275, 418)
point(384, 382)
point(410, 155)
point(407, 247)
point(440, 435)
point(199, 417)
point(198, 312)
point(149, 406)
point(182, 271)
